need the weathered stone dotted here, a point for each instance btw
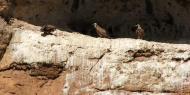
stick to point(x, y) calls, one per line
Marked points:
point(99, 66)
point(74, 64)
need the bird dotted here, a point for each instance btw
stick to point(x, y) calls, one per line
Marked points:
point(139, 31)
point(101, 31)
point(10, 21)
point(47, 29)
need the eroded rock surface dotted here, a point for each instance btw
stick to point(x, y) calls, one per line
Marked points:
point(74, 64)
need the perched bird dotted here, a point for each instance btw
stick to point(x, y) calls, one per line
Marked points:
point(100, 31)
point(47, 29)
point(139, 31)
point(10, 21)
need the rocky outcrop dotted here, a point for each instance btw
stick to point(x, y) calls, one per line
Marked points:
point(74, 64)
point(162, 20)
point(68, 63)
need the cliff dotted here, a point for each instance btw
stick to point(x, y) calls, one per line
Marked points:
point(79, 63)
point(75, 64)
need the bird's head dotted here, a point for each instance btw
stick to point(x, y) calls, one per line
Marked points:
point(95, 25)
point(134, 27)
point(137, 25)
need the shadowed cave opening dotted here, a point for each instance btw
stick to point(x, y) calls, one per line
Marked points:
point(163, 21)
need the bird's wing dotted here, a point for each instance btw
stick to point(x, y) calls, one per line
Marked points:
point(102, 32)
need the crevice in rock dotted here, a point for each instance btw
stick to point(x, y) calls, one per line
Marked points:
point(99, 59)
point(109, 89)
point(138, 91)
point(142, 54)
point(146, 53)
point(48, 71)
point(45, 82)
point(181, 59)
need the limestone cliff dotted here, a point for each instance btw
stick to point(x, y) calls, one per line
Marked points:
point(75, 64)
point(71, 63)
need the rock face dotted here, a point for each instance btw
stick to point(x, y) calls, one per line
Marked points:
point(162, 20)
point(75, 64)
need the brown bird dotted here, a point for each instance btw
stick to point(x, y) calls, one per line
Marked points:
point(10, 21)
point(100, 31)
point(47, 29)
point(139, 31)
